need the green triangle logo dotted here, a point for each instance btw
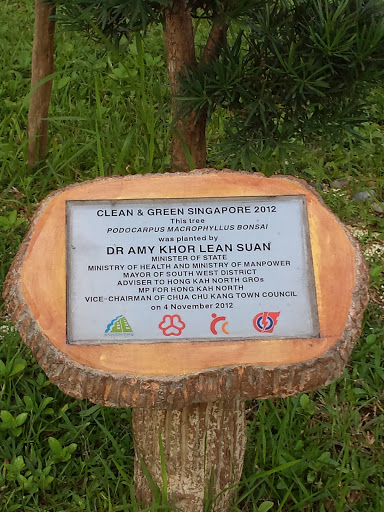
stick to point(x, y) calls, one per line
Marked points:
point(119, 324)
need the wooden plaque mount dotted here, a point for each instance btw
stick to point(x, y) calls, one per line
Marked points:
point(176, 381)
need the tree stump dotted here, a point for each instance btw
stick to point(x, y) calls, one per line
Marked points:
point(187, 392)
point(204, 447)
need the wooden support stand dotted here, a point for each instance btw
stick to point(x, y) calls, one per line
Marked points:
point(42, 66)
point(204, 447)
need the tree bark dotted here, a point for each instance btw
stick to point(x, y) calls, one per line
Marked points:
point(215, 41)
point(42, 66)
point(204, 447)
point(188, 133)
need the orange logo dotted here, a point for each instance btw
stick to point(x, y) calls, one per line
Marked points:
point(215, 321)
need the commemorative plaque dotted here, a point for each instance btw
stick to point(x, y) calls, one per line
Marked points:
point(182, 295)
point(186, 269)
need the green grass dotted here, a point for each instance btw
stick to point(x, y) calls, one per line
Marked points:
point(110, 115)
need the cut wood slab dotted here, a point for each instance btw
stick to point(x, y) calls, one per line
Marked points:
point(175, 375)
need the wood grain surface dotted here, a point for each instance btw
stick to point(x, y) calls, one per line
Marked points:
point(178, 374)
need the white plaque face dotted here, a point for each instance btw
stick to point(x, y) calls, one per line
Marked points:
point(210, 269)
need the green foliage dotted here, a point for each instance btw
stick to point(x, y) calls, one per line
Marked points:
point(57, 454)
point(289, 72)
point(113, 17)
point(118, 18)
point(60, 453)
point(295, 71)
point(329, 438)
point(12, 424)
point(11, 230)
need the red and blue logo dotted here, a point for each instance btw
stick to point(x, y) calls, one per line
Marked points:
point(266, 321)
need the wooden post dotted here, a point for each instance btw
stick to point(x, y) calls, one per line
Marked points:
point(204, 447)
point(42, 66)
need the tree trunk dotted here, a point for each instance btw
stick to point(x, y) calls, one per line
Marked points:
point(204, 447)
point(42, 66)
point(188, 139)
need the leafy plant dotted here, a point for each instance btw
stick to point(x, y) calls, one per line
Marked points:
point(60, 453)
point(285, 71)
point(11, 423)
point(296, 71)
point(11, 230)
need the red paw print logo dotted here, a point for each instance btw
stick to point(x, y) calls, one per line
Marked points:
point(172, 325)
